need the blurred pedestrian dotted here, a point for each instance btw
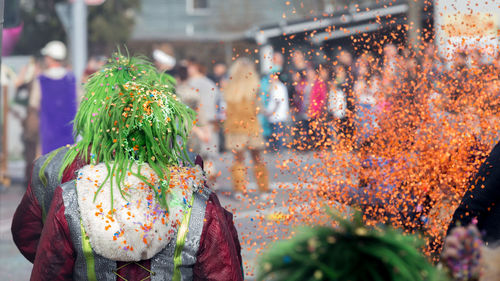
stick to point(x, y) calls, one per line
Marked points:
point(243, 131)
point(365, 94)
point(207, 115)
point(189, 96)
point(391, 65)
point(265, 95)
point(296, 87)
point(337, 104)
point(303, 81)
point(317, 106)
point(219, 76)
point(164, 59)
point(55, 98)
point(345, 81)
point(94, 63)
point(277, 112)
point(25, 84)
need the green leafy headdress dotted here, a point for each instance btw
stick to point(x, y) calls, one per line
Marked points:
point(130, 114)
point(349, 252)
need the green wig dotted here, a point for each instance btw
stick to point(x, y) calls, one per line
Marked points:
point(349, 252)
point(130, 114)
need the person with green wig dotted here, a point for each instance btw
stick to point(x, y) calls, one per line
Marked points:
point(126, 202)
point(350, 251)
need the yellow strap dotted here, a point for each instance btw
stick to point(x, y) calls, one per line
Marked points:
point(181, 240)
point(89, 255)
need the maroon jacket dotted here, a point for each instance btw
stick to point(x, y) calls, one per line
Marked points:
point(27, 223)
point(218, 257)
point(49, 246)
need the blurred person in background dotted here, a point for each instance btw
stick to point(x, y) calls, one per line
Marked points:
point(93, 65)
point(243, 131)
point(390, 65)
point(303, 81)
point(296, 88)
point(207, 115)
point(265, 95)
point(317, 106)
point(278, 112)
point(164, 59)
point(25, 84)
point(365, 101)
point(278, 63)
point(345, 81)
point(298, 70)
point(189, 96)
point(337, 104)
point(219, 76)
point(55, 99)
point(219, 73)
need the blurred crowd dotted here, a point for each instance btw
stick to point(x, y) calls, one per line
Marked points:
point(295, 104)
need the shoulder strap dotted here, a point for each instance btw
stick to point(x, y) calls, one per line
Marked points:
point(89, 266)
point(190, 242)
point(45, 177)
point(176, 261)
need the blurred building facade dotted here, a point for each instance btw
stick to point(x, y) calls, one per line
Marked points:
point(264, 23)
point(204, 20)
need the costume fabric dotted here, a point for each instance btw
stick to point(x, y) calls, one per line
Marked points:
point(242, 125)
point(482, 200)
point(218, 256)
point(57, 110)
point(27, 223)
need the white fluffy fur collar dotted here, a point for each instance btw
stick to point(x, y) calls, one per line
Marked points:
point(138, 228)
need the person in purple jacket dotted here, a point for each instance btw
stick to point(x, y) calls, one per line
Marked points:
point(55, 98)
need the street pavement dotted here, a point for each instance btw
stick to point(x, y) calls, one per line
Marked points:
point(253, 232)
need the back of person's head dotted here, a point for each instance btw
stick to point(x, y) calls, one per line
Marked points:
point(55, 50)
point(243, 81)
point(344, 57)
point(130, 114)
point(219, 69)
point(350, 251)
point(195, 64)
point(181, 72)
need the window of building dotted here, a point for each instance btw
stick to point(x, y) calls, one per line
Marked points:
point(197, 7)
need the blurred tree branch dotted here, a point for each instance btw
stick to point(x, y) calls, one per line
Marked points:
point(109, 25)
point(41, 25)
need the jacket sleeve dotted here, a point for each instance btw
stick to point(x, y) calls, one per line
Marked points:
point(219, 255)
point(28, 220)
point(55, 256)
point(483, 193)
point(27, 225)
